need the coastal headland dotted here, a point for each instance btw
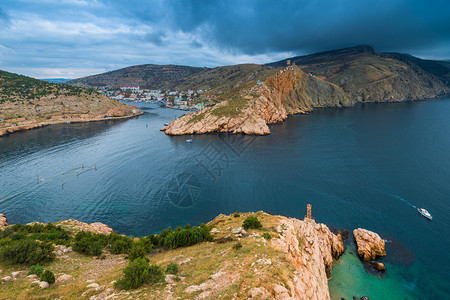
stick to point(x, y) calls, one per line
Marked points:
point(269, 256)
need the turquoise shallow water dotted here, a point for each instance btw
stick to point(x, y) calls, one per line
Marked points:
point(366, 166)
point(351, 279)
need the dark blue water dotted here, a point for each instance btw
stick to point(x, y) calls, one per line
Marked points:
point(366, 166)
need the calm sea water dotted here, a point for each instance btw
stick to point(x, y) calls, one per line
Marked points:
point(368, 166)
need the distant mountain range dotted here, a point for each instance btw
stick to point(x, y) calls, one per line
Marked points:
point(362, 72)
point(56, 80)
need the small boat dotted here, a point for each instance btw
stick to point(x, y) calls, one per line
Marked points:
point(425, 213)
point(189, 141)
point(166, 124)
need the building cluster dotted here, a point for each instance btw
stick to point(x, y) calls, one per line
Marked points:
point(185, 100)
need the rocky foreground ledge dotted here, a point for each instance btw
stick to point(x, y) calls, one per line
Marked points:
point(285, 259)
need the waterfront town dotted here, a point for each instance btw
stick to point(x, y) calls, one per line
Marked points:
point(189, 100)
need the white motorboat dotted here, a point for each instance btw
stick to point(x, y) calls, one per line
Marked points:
point(189, 141)
point(425, 213)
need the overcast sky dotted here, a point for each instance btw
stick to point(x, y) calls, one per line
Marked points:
point(75, 38)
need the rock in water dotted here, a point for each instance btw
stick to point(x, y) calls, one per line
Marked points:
point(369, 244)
point(380, 266)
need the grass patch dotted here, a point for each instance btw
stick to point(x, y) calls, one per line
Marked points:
point(234, 107)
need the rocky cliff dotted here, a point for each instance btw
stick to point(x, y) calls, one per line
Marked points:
point(285, 259)
point(249, 109)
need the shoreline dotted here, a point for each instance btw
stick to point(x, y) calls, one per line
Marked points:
point(10, 130)
point(304, 112)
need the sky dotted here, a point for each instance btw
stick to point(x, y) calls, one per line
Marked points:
point(75, 38)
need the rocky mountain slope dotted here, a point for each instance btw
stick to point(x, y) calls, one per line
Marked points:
point(177, 77)
point(251, 107)
point(27, 103)
point(370, 76)
point(335, 79)
point(146, 76)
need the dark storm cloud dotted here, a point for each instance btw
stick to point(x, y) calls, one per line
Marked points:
point(259, 26)
point(73, 38)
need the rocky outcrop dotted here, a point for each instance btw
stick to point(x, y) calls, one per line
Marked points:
point(3, 221)
point(250, 110)
point(311, 248)
point(75, 226)
point(369, 244)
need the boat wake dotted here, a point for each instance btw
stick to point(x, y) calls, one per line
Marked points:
point(406, 201)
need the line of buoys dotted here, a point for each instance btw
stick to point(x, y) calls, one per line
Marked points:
point(45, 180)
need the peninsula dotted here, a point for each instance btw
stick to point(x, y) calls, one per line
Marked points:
point(27, 103)
point(338, 78)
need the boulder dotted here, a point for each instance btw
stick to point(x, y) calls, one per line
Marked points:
point(92, 285)
point(64, 277)
point(236, 230)
point(281, 292)
point(7, 278)
point(3, 221)
point(192, 289)
point(43, 284)
point(16, 275)
point(32, 277)
point(170, 279)
point(369, 244)
point(185, 261)
point(379, 266)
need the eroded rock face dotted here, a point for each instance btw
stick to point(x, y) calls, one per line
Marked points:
point(311, 247)
point(3, 221)
point(288, 91)
point(369, 244)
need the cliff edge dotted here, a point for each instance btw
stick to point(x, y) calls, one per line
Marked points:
point(251, 108)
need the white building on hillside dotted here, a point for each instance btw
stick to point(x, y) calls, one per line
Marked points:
point(133, 88)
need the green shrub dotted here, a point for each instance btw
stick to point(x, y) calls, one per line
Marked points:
point(89, 243)
point(48, 276)
point(236, 215)
point(139, 272)
point(172, 268)
point(187, 226)
point(96, 248)
point(237, 246)
point(156, 274)
point(146, 243)
point(137, 251)
point(48, 232)
point(119, 246)
point(36, 270)
point(251, 222)
point(267, 236)
point(27, 251)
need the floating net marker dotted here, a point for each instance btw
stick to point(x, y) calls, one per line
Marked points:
point(45, 180)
